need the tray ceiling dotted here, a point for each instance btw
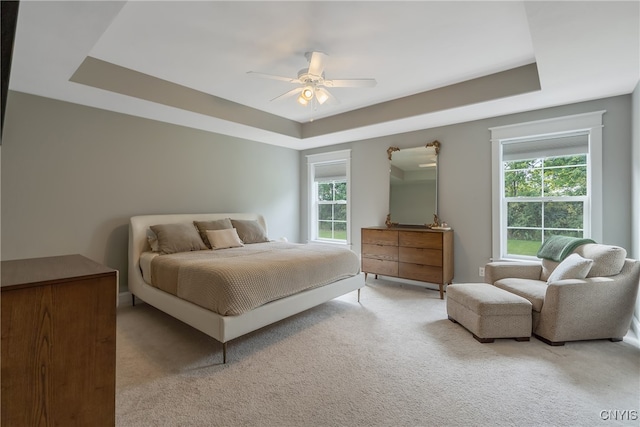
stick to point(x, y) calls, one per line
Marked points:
point(435, 63)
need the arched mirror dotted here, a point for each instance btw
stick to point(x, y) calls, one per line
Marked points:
point(413, 181)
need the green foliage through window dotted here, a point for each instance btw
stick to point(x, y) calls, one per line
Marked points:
point(544, 196)
point(332, 210)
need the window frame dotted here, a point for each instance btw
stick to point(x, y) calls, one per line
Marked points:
point(588, 123)
point(314, 160)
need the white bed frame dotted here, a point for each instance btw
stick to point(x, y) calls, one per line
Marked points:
point(221, 328)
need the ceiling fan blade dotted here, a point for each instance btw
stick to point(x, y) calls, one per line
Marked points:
point(351, 83)
point(316, 63)
point(288, 94)
point(273, 77)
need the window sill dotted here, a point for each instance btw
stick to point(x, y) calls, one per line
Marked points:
point(330, 242)
point(519, 259)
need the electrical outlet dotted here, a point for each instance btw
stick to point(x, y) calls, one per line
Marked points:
point(481, 271)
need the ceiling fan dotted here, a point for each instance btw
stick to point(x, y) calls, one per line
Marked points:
point(312, 85)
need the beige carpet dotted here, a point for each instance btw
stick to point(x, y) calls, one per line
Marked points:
point(391, 360)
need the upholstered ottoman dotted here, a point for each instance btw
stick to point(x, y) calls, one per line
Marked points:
point(489, 312)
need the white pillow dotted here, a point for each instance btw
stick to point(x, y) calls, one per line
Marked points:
point(607, 260)
point(223, 239)
point(572, 267)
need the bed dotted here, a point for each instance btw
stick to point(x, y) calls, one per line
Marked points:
point(152, 276)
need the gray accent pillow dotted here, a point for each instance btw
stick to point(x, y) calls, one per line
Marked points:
point(203, 226)
point(178, 237)
point(572, 267)
point(250, 231)
point(153, 240)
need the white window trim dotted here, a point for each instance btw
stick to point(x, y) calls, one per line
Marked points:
point(312, 161)
point(589, 122)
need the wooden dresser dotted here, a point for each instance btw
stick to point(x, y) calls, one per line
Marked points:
point(409, 253)
point(58, 342)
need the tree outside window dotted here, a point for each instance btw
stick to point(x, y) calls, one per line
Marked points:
point(544, 197)
point(332, 210)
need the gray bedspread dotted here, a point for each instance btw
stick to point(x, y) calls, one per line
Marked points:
point(233, 281)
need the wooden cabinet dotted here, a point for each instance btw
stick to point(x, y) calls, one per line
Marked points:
point(58, 342)
point(416, 254)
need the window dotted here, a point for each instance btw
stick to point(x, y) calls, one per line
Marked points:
point(544, 195)
point(546, 181)
point(329, 197)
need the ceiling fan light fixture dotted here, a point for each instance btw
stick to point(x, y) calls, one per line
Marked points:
point(307, 93)
point(302, 100)
point(321, 95)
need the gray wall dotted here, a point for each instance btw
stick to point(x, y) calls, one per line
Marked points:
point(635, 170)
point(465, 179)
point(73, 175)
point(635, 195)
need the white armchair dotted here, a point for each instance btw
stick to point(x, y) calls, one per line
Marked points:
point(599, 306)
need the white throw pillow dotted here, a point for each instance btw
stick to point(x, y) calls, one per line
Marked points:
point(607, 260)
point(223, 239)
point(572, 267)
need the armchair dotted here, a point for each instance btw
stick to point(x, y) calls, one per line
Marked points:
point(565, 308)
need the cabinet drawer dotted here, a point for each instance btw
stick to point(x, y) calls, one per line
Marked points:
point(377, 266)
point(389, 253)
point(422, 256)
point(417, 239)
point(380, 237)
point(424, 273)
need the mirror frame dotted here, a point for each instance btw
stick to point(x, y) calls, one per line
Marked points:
point(436, 222)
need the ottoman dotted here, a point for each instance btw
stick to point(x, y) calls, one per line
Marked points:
point(489, 312)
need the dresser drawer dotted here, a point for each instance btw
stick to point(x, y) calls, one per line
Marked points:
point(432, 257)
point(409, 253)
point(378, 266)
point(424, 273)
point(389, 253)
point(380, 237)
point(417, 239)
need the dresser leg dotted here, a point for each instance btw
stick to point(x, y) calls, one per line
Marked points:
point(441, 290)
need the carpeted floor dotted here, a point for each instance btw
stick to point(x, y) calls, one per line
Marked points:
point(391, 360)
